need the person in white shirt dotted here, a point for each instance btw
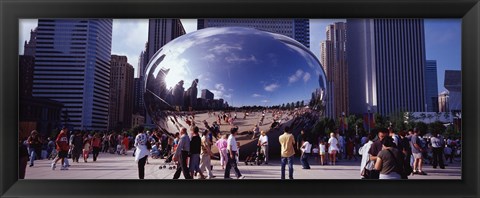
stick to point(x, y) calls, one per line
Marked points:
point(333, 148)
point(322, 150)
point(306, 150)
point(263, 142)
point(363, 151)
point(231, 153)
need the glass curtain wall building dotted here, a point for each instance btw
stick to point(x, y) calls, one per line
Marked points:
point(72, 66)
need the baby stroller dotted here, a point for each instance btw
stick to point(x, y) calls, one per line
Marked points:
point(168, 163)
point(255, 158)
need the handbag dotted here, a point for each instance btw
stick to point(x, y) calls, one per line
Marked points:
point(370, 174)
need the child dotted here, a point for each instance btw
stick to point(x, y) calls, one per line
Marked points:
point(86, 149)
point(316, 153)
point(322, 151)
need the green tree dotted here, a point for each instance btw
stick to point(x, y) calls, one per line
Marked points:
point(436, 127)
point(421, 127)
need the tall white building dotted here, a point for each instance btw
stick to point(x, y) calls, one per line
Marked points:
point(386, 63)
point(72, 66)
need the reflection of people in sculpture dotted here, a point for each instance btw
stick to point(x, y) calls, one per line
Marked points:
point(190, 96)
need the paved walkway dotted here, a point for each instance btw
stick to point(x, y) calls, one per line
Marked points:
point(112, 166)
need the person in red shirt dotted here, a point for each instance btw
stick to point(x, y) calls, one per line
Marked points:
point(96, 145)
point(125, 143)
point(62, 148)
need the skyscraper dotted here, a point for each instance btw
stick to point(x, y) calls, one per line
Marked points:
point(298, 29)
point(386, 65)
point(431, 86)
point(121, 93)
point(334, 62)
point(160, 32)
point(453, 83)
point(72, 66)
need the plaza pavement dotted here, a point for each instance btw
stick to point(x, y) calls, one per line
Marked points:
point(113, 166)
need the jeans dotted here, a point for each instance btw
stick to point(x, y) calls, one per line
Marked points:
point(195, 163)
point(290, 167)
point(33, 156)
point(304, 160)
point(141, 167)
point(232, 163)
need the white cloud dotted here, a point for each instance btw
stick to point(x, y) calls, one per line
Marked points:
point(271, 87)
point(227, 95)
point(265, 101)
point(224, 48)
point(257, 95)
point(306, 77)
point(209, 57)
point(220, 87)
point(233, 58)
point(295, 77)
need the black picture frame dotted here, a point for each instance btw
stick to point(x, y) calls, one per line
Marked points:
point(11, 11)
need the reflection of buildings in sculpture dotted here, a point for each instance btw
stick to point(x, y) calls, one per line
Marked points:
point(178, 95)
point(443, 102)
point(453, 83)
point(190, 96)
point(207, 94)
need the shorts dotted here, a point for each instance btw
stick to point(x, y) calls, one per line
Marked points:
point(322, 152)
point(62, 154)
point(417, 155)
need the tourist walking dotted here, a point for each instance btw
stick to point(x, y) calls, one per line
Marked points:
point(366, 163)
point(256, 131)
point(333, 148)
point(231, 154)
point(306, 149)
point(181, 155)
point(205, 155)
point(376, 147)
point(62, 148)
point(222, 149)
point(195, 147)
point(77, 143)
point(86, 147)
point(34, 146)
point(417, 150)
point(96, 145)
point(287, 143)
point(389, 160)
point(263, 143)
point(141, 151)
point(438, 146)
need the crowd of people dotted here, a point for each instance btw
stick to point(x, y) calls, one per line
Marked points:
point(384, 153)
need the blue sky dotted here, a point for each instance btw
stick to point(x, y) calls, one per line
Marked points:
point(442, 39)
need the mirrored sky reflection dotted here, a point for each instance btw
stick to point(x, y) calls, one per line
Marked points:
point(243, 66)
